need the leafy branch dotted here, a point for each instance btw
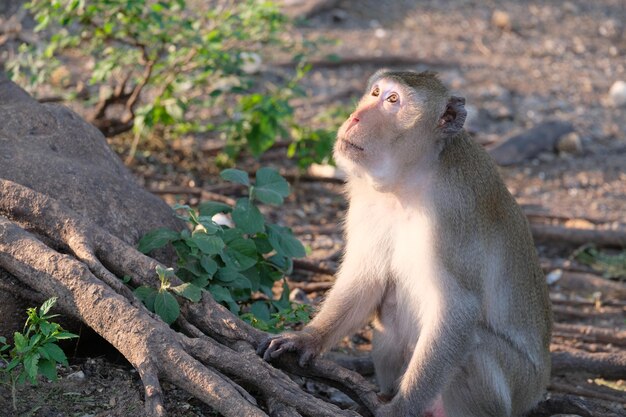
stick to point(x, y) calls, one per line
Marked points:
point(238, 264)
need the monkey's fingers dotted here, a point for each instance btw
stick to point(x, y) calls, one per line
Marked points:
point(260, 350)
point(276, 348)
point(305, 358)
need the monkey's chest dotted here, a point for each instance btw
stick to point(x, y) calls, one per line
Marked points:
point(413, 262)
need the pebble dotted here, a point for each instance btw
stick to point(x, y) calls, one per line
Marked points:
point(76, 375)
point(611, 28)
point(297, 295)
point(501, 20)
point(554, 276)
point(339, 15)
point(617, 93)
point(570, 143)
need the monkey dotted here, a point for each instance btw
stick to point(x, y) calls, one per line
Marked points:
point(439, 252)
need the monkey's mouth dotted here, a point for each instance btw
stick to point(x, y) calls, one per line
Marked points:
point(351, 145)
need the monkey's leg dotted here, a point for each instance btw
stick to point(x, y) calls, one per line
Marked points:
point(496, 380)
point(389, 350)
point(389, 361)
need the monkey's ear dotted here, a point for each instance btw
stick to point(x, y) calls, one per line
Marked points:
point(451, 121)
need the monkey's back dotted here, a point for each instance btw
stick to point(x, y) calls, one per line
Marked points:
point(489, 232)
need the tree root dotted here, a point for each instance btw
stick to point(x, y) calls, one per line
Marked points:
point(215, 362)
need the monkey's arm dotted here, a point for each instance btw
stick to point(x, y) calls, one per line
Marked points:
point(447, 331)
point(347, 308)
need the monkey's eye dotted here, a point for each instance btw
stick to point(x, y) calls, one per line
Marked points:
point(393, 97)
point(376, 92)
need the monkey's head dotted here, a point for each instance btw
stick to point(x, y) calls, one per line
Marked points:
point(402, 119)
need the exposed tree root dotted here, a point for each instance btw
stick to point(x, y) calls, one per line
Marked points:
point(216, 361)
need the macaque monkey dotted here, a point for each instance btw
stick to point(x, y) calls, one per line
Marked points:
point(440, 253)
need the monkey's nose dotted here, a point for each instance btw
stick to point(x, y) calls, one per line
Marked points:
point(352, 121)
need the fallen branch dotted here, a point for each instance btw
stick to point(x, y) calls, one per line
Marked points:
point(608, 365)
point(374, 61)
point(586, 392)
point(613, 238)
point(591, 284)
point(592, 334)
point(570, 405)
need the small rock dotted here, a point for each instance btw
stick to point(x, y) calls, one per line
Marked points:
point(611, 28)
point(222, 219)
point(298, 296)
point(76, 375)
point(554, 276)
point(501, 20)
point(570, 143)
point(339, 15)
point(61, 77)
point(617, 93)
point(326, 171)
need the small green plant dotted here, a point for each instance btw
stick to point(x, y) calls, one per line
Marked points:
point(35, 351)
point(611, 265)
point(238, 265)
point(160, 65)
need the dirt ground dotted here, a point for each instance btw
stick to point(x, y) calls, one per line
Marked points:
point(518, 63)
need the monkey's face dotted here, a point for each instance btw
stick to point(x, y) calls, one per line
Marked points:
point(379, 136)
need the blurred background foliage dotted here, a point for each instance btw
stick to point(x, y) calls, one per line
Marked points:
point(169, 68)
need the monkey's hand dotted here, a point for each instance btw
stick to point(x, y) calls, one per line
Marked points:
point(305, 344)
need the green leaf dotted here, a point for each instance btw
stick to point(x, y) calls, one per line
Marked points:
point(209, 265)
point(227, 274)
point(48, 369)
point(189, 291)
point(283, 263)
point(47, 305)
point(55, 353)
point(270, 186)
point(208, 244)
point(156, 239)
point(284, 242)
point(254, 277)
point(220, 294)
point(211, 208)
point(240, 254)
point(260, 310)
point(47, 328)
point(248, 217)
point(30, 365)
point(262, 244)
point(21, 343)
point(65, 335)
point(166, 306)
point(147, 296)
point(207, 224)
point(235, 175)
